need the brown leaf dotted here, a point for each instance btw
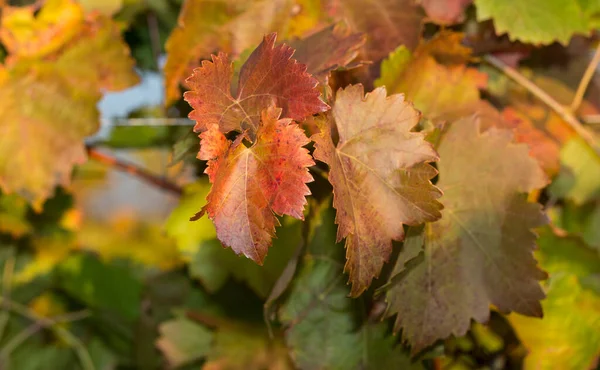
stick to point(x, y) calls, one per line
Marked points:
point(380, 176)
point(480, 251)
point(269, 78)
point(387, 23)
point(329, 49)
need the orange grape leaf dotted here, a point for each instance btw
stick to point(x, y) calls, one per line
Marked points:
point(331, 48)
point(380, 176)
point(268, 78)
point(25, 32)
point(445, 12)
point(48, 107)
point(387, 23)
point(481, 250)
point(435, 77)
point(230, 26)
point(251, 185)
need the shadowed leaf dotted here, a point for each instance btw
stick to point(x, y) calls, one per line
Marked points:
point(480, 251)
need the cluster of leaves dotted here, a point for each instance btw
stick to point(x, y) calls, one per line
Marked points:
point(466, 205)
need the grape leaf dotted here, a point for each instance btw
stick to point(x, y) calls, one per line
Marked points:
point(387, 23)
point(230, 26)
point(579, 178)
point(251, 185)
point(25, 32)
point(13, 212)
point(568, 337)
point(245, 347)
point(320, 318)
point(44, 130)
point(480, 251)
point(379, 174)
point(268, 78)
point(539, 21)
point(434, 77)
point(327, 50)
point(183, 341)
point(445, 12)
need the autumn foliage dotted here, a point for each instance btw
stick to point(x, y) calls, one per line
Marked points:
point(370, 185)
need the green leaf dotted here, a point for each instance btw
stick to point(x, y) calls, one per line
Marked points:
point(481, 251)
point(539, 21)
point(579, 178)
point(13, 212)
point(323, 323)
point(566, 254)
point(243, 347)
point(568, 337)
point(183, 341)
point(101, 286)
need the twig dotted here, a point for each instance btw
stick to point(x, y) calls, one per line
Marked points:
point(7, 275)
point(562, 111)
point(50, 323)
point(592, 119)
point(134, 170)
point(585, 80)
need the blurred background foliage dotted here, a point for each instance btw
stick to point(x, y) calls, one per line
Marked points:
point(96, 279)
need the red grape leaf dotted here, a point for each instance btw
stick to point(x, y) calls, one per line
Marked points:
point(268, 78)
point(230, 26)
point(379, 174)
point(387, 23)
point(48, 106)
point(331, 48)
point(251, 185)
point(435, 77)
point(445, 12)
point(481, 251)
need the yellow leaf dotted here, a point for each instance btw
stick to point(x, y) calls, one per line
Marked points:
point(27, 34)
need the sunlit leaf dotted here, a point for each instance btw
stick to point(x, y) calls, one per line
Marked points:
point(539, 21)
point(435, 77)
point(48, 106)
point(269, 78)
point(230, 26)
point(27, 32)
point(380, 176)
point(252, 185)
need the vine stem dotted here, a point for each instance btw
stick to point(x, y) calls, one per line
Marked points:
point(585, 80)
point(50, 323)
point(134, 170)
point(564, 112)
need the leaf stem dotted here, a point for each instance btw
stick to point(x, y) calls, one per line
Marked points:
point(562, 111)
point(134, 170)
point(585, 80)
